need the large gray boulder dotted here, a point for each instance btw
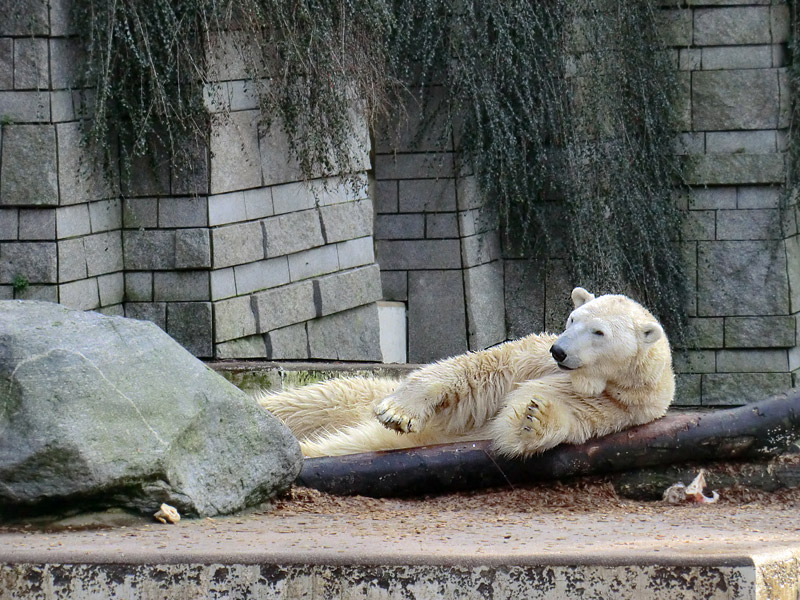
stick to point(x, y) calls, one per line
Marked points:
point(106, 411)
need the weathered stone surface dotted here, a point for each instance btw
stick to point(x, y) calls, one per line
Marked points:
point(24, 17)
point(727, 169)
point(34, 261)
point(396, 255)
point(701, 198)
point(247, 347)
point(427, 195)
point(480, 249)
point(355, 253)
point(261, 275)
point(706, 332)
point(31, 64)
point(313, 262)
point(735, 99)
point(752, 361)
point(105, 215)
point(674, 26)
point(759, 196)
point(483, 292)
point(414, 166)
point(139, 287)
point(72, 221)
point(751, 142)
point(747, 224)
point(386, 196)
point(742, 278)
point(103, 252)
point(292, 232)
point(395, 285)
point(237, 244)
point(29, 174)
point(9, 223)
point(66, 60)
point(699, 225)
point(6, 63)
point(346, 221)
point(292, 197)
point(37, 224)
point(688, 389)
point(732, 25)
point(278, 164)
point(400, 227)
point(731, 389)
point(441, 225)
point(284, 306)
point(226, 208)
point(737, 57)
point(223, 283)
point(182, 212)
point(288, 343)
point(348, 289)
point(524, 297)
point(760, 332)
point(436, 315)
point(79, 177)
point(189, 324)
point(694, 361)
point(192, 248)
point(258, 203)
point(235, 162)
point(139, 213)
point(82, 294)
point(349, 335)
point(123, 416)
point(71, 260)
point(112, 289)
point(155, 312)
point(149, 249)
point(172, 286)
point(25, 107)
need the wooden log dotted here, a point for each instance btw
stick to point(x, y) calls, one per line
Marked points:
point(756, 430)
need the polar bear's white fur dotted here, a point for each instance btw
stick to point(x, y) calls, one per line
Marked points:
point(610, 369)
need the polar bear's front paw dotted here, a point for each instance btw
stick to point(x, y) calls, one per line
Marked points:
point(535, 421)
point(394, 416)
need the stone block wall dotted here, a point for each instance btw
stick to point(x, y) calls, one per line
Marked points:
point(242, 259)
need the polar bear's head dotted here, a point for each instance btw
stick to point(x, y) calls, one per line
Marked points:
point(606, 339)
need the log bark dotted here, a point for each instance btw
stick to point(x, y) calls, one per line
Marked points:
point(757, 430)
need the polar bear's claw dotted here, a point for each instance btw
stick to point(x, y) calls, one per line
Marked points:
point(393, 417)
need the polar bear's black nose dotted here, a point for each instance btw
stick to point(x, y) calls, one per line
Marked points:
point(558, 353)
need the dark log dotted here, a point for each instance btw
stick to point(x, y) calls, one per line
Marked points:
point(756, 430)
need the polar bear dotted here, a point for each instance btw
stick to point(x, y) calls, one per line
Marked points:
point(610, 369)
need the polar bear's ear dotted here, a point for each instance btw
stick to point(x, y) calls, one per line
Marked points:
point(651, 333)
point(580, 297)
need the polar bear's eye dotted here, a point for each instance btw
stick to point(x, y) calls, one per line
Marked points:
point(598, 333)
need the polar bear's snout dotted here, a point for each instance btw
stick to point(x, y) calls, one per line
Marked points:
point(564, 361)
point(558, 353)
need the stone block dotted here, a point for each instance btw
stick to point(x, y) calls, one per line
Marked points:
point(346, 221)
point(103, 253)
point(712, 198)
point(155, 312)
point(478, 220)
point(190, 324)
point(66, 62)
point(780, 22)
point(785, 105)
point(436, 315)
point(181, 286)
point(441, 226)
point(386, 196)
point(193, 179)
point(105, 215)
point(735, 99)
point(288, 343)
point(237, 244)
point(149, 249)
point(733, 389)
point(484, 295)
point(688, 390)
point(71, 260)
point(228, 56)
point(415, 166)
point(674, 26)
point(793, 261)
point(114, 310)
point(258, 203)
point(350, 335)
point(286, 305)
point(235, 162)
point(192, 248)
point(742, 278)
point(698, 225)
point(6, 63)
point(247, 347)
point(694, 361)
point(737, 57)
point(25, 18)
point(25, 107)
point(730, 26)
point(234, 318)
point(749, 224)
point(688, 252)
point(138, 286)
point(45, 293)
point(760, 332)
point(72, 221)
point(690, 143)
point(759, 197)
point(35, 261)
point(727, 169)
point(182, 212)
point(278, 164)
point(397, 255)
point(313, 262)
point(480, 249)
point(427, 195)
point(37, 224)
point(348, 289)
point(82, 294)
point(261, 275)
point(292, 232)
point(683, 101)
point(557, 302)
point(226, 208)
point(31, 64)
point(780, 56)
point(61, 18)
point(356, 253)
point(395, 285)
point(524, 297)
point(140, 213)
point(79, 179)
point(28, 175)
point(292, 197)
point(400, 226)
point(706, 332)
point(111, 288)
point(690, 59)
point(751, 142)
point(6, 292)
point(9, 223)
point(223, 284)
